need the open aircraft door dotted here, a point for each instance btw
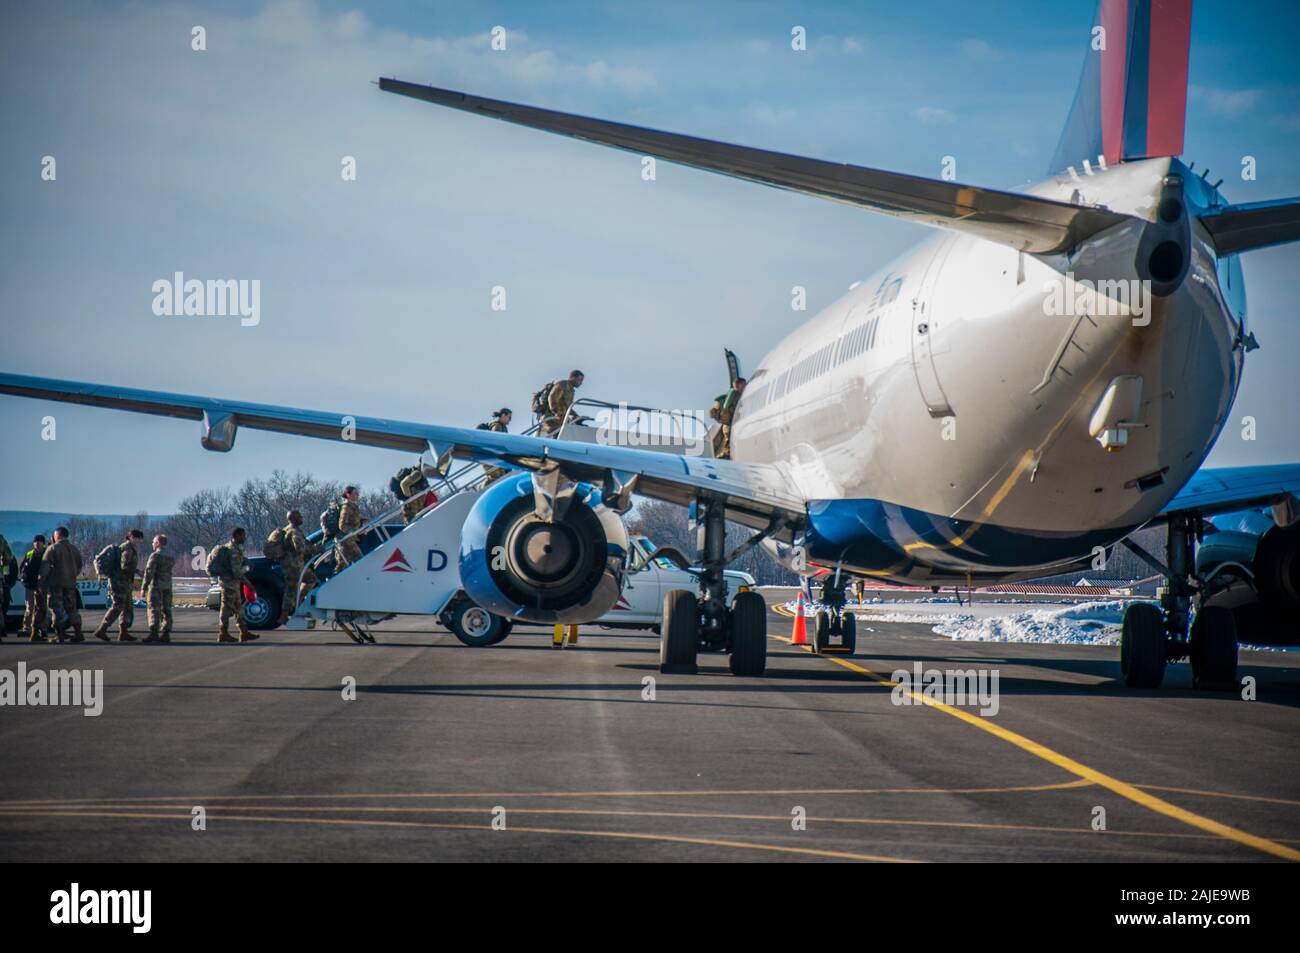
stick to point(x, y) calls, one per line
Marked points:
point(926, 325)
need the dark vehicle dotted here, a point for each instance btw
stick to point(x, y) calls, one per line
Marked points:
point(267, 581)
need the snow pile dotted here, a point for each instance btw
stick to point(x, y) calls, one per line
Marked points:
point(1089, 623)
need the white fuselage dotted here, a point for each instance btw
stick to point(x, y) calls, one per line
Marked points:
point(940, 385)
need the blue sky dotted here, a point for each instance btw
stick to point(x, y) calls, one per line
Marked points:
point(375, 293)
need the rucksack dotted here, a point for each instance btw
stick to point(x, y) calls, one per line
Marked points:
point(218, 563)
point(108, 561)
point(329, 520)
point(541, 398)
point(483, 427)
point(395, 484)
point(274, 547)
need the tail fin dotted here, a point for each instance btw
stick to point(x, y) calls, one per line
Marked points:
point(1132, 97)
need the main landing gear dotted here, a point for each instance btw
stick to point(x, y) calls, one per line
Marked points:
point(704, 622)
point(1152, 636)
point(836, 628)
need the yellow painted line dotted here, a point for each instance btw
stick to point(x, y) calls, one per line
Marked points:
point(117, 811)
point(733, 792)
point(1123, 789)
point(614, 835)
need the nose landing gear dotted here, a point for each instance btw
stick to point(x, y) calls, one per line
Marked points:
point(836, 628)
point(1154, 636)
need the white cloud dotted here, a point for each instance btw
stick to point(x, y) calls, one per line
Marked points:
point(933, 115)
point(1229, 103)
point(629, 79)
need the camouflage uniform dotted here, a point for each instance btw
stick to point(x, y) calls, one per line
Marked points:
point(121, 609)
point(558, 402)
point(158, 593)
point(297, 550)
point(36, 618)
point(494, 473)
point(723, 411)
point(59, 570)
point(6, 558)
point(414, 487)
point(348, 552)
point(231, 579)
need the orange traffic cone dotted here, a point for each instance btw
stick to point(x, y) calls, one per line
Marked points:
point(800, 634)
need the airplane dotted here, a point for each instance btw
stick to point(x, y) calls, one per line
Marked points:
point(992, 407)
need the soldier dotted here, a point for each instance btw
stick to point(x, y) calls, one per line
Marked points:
point(158, 591)
point(227, 563)
point(348, 551)
point(120, 585)
point(559, 400)
point(60, 567)
point(8, 576)
point(36, 616)
point(723, 410)
point(297, 551)
point(500, 423)
point(416, 492)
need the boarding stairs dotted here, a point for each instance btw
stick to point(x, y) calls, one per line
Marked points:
point(411, 569)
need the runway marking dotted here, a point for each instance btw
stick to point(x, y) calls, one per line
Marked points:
point(1123, 789)
point(757, 792)
point(1222, 794)
point(616, 835)
point(116, 811)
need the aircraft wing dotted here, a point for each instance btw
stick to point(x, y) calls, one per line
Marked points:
point(755, 493)
point(1226, 489)
point(1024, 222)
point(1238, 228)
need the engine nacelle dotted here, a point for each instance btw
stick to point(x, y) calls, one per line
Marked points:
point(517, 565)
point(1256, 575)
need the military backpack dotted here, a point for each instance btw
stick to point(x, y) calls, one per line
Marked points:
point(274, 546)
point(218, 563)
point(108, 561)
point(395, 484)
point(541, 399)
point(329, 520)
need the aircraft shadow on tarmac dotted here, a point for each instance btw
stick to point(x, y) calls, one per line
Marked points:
point(714, 678)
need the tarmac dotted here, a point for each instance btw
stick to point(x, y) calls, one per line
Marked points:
point(525, 752)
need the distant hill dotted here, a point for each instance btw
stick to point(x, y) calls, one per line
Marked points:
point(19, 526)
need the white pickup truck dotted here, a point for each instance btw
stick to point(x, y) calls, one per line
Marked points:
point(651, 574)
point(94, 595)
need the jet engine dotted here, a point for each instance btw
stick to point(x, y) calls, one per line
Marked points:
point(518, 563)
point(1253, 568)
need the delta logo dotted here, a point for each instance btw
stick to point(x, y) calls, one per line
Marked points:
point(397, 563)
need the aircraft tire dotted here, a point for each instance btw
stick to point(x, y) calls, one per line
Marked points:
point(1213, 649)
point(748, 635)
point(1142, 646)
point(822, 631)
point(849, 625)
point(681, 633)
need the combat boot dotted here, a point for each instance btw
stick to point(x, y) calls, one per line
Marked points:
point(223, 635)
point(76, 633)
point(244, 634)
point(126, 637)
point(101, 632)
point(151, 637)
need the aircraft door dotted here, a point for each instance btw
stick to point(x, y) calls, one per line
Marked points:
point(925, 325)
